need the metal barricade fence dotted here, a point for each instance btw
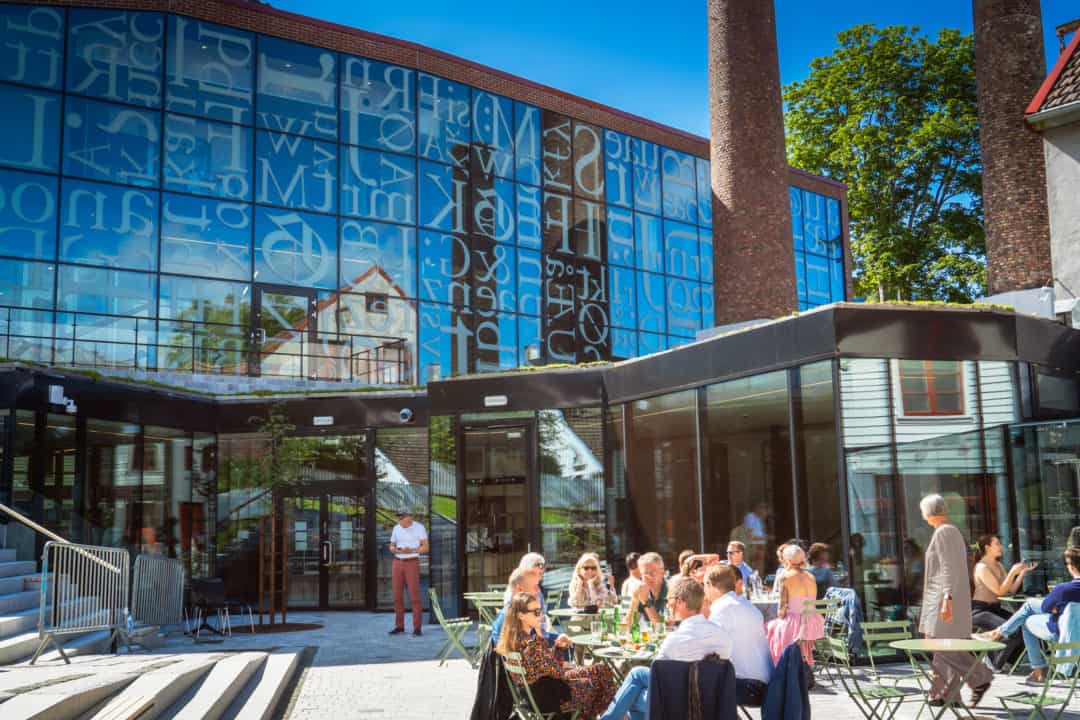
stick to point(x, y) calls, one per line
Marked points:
point(157, 591)
point(83, 588)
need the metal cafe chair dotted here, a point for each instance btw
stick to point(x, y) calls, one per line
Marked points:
point(525, 706)
point(1058, 654)
point(455, 629)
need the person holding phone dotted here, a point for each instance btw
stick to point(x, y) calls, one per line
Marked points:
point(991, 582)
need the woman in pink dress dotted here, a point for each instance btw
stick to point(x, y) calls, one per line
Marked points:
point(798, 593)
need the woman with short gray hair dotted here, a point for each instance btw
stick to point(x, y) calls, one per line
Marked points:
point(932, 505)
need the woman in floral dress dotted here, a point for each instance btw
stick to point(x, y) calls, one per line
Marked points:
point(591, 687)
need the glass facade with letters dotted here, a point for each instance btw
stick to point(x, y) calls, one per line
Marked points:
point(182, 196)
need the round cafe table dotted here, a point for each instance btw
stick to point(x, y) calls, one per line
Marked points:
point(924, 647)
point(621, 659)
point(768, 607)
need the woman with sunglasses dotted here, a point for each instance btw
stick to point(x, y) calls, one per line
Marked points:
point(588, 587)
point(591, 688)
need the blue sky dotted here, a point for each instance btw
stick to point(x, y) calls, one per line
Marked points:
point(625, 54)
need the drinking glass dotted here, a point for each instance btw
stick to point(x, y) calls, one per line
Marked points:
point(597, 627)
point(645, 632)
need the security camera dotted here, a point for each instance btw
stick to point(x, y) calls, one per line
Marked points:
point(405, 415)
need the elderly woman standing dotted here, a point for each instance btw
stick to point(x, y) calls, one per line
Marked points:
point(946, 606)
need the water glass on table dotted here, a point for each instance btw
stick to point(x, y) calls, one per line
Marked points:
point(597, 629)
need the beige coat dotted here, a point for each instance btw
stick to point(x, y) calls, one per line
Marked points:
point(946, 569)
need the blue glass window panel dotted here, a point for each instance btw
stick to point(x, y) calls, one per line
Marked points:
point(445, 334)
point(297, 88)
point(27, 284)
point(30, 126)
point(649, 343)
point(116, 55)
point(205, 237)
point(528, 335)
point(622, 290)
point(705, 254)
point(293, 248)
point(378, 258)
point(680, 185)
point(683, 311)
point(111, 142)
point(106, 291)
point(377, 105)
point(681, 250)
point(530, 282)
point(815, 226)
point(109, 225)
point(651, 295)
point(704, 192)
point(210, 70)
point(495, 342)
point(494, 277)
point(202, 300)
point(527, 143)
point(295, 172)
point(800, 275)
point(620, 236)
point(650, 243)
point(207, 158)
point(837, 281)
point(646, 176)
point(378, 186)
point(492, 135)
point(28, 204)
point(708, 314)
point(803, 306)
point(443, 193)
point(529, 217)
point(445, 268)
point(623, 343)
point(673, 341)
point(589, 172)
point(444, 120)
point(557, 153)
point(796, 218)
point(619, 169)
point(588, 230)
point(835, 229)
point(817, 280)
point(32, 45)
point(493, 210)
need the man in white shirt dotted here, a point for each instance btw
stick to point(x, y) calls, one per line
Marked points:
point(633, 581)
point(744, 625)
point(407, 541)
point(695, 638)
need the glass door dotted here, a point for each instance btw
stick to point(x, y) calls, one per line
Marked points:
point(498, 501)
point(324, 536)
point(285, 325)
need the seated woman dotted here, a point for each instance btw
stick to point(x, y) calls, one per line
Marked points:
point(798, 591)
point(781, 566)
point(588, 587)
point(991, 582)
point(591, 688)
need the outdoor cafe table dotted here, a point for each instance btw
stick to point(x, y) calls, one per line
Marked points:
point(926, 646)
point(620, 659)
point(1012, 603)
point(487, 604)
point(570, 613)
point(768, 606)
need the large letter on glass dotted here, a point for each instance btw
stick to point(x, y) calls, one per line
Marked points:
point(618, 168)
point(297, 88)
point(445, 268)
point(31, 125)
point(588, 162)
point(27, 215)
point(296, 172)
point(443, 192)
point(109, 225)
point(527, 143)
point(207, 158)
point(680, 191)
point(492, 135)
point(210, 70)
point(31, 45)
point(295, 248)
point(116, 55)
point(646, 176)
point(444, 120)
point(377, 105)
point(205, 237)
point(379, 186)
point(111, 142)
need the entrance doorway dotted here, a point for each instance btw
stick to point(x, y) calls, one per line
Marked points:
point(324, 542)
point(500, 500)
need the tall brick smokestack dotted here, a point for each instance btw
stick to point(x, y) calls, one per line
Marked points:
point(754, 266)
point(1010, 64)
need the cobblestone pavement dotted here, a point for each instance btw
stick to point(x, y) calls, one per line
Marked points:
point(358, 672)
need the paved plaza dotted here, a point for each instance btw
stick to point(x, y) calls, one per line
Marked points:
point(358, 672)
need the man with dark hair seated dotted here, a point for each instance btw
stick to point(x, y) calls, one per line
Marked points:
point(1038, 619)
point(695, 638)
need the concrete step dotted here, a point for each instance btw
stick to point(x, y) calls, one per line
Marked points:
point(18, 648)
point(8, 555)
point(95, 642)
point(153, 693)
point(20, 622)
point(19, 567)
point(16, 602)
point(19, 583)
point(265, 690)
point(220, 687)
point(66, 699)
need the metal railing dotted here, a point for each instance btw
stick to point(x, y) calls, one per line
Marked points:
point(157, 592)
point(121, 342)
point(88, 591)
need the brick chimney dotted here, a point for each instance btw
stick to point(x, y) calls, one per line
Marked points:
point(1010, 65)
point(753, 259)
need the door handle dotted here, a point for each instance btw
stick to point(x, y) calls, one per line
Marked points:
point(327, 552)
point(260, 335)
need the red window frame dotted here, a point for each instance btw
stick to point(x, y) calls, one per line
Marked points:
point(933, 395)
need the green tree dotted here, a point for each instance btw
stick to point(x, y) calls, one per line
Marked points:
point(892, 114)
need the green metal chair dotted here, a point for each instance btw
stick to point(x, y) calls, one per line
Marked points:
point(825, 609)
point(525, 707)
point(1059, 654)
point(455, 629)
point(553, 601)
point(878, 635)
point(496, 587)
point(874, 701)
